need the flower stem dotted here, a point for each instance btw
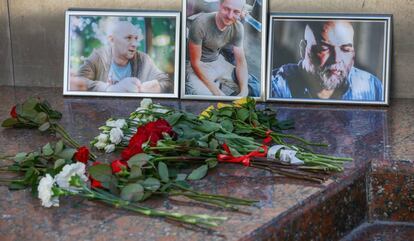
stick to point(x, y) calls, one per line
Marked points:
point(195, 219)
point(59, 129)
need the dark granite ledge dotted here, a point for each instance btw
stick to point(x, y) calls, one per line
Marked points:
point(291, 209)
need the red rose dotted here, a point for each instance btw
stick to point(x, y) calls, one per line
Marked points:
point(159, 126)
point(135, 144)
point(82, 155)
point(95, 183)
point(151, 132)
point(13, 112)
point(118, 165)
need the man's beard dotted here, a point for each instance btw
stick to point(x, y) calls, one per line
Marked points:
point(329, 79)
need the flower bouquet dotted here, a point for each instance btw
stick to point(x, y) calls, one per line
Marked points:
point(232, 133)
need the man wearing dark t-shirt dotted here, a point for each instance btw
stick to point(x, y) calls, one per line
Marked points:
point(208, 73)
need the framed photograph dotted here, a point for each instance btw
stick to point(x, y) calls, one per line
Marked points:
point(223, 49)
point(122, 53)
point(329, 58)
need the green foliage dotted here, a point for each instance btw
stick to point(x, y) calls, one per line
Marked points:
point(198, 173)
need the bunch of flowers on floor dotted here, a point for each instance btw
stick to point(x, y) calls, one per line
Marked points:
point(161, 151)
point(55, 171)
point(235, 133)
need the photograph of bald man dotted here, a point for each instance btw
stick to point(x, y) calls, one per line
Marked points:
point(326, 69)
point(112, 54)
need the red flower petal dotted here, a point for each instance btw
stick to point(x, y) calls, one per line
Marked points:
point(82, 155)
point(13, 112)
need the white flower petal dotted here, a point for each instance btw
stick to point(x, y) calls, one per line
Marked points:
point(45, 192)
point(100, 145)
point(146, 103)
point(110, 148)
point(62, 179)
point(103, 138)
point(116, 135)
point(120, 123)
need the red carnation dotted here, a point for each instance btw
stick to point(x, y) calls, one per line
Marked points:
point(118, 165)
point(13, 112)
point(95, 183)
point(82, 155)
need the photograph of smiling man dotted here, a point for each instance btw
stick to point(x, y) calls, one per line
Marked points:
point(223, 49)
point(329, 60)
point(122, 54)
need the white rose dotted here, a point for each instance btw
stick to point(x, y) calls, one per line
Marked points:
point(100, 145)
point(45, 192)
point(109, 148)
point(146, 103)
point(120, 123)
point(63, 178)
point(103, 138)
point(116, 123)
point(116, 135)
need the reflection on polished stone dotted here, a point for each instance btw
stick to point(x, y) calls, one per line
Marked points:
point(366, 134)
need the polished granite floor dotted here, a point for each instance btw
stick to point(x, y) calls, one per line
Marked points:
point(289, 209)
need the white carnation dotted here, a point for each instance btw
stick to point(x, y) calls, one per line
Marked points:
point(62, 179)
point(45, 192)
point(100, 145)
point(103, 138)
point(109, 148)
point(120, 123)
point(116, 135)
point(146, 103)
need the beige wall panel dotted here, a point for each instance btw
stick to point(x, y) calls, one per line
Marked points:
point(38, 33)
point(6, 75)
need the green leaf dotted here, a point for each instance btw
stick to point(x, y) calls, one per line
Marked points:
point(30, 104)
point(151, 184)
point(59, 163)
point(10, 122)
point(242, 114)
point(198, 173)
point(163, 171)
point(208, 126)
point(101, 172)
point(165, 186)
point(194, 152)
point(183, 184)
point(174, 118)
point(44, 127)
point(28, 174)
point(132, 192)
point(59, 146)
point(202, 144)
point(139, 160)
point(226, 112)
point(213, 144)
point(181, 177)
point(227, 124)
point(40, 118)
point(47, 150)
point(211, 162)
point(112, 185)
point(135, 172)
point(67, 153)
point(21, 156)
